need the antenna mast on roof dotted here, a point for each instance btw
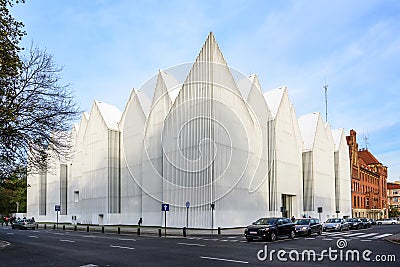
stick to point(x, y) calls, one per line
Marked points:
point(326, 101)
point(366, 140)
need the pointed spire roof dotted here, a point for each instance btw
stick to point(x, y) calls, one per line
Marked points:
point(210, 52)
point(308, 128)
point(111, 114)
point(274, 99)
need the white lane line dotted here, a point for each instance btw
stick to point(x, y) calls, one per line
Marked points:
point(367, 235)
point(10, 233)
point(224, 240)
point(231, 237)
point(243, 241)
point(58, 234)
point(234, 240)
point(33, 236)
point(121, 247)
point(35, 231)
point(366, 240)
point(89, 236)
point(353, 234)
point(220, 259)
point(126, 239)
point(191, 244)
point(66, 240)
point(327, 239)
point(89, 265)
point(381, 236)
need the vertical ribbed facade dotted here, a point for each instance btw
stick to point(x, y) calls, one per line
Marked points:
point(63, 188)
point(42, 193)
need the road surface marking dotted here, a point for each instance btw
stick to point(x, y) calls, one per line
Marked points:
point(89, 265)
point(220, 259)
point(366, 240)
point(33, 236)
point(66, 240)
point(58, 234)
point(35, 231)
point(121, 247)
point(234, 240)
point(10, 233)
point(367, 235)
point(328, 239)
point(224, 240)
point(127, 239)
point(381, 236)
point(354, 234)
point(231, 237)
point(89, 236)
point(189, 244)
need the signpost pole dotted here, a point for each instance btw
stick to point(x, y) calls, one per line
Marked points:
point(165, 224)
point(57, 219)
point(187, 217)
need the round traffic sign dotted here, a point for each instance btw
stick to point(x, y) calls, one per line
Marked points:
point(187, 204)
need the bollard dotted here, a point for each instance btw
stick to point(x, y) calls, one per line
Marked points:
point(138, 231)
point(63, 227)
point(184, 231)
point(44, 226)
point(54, 227)
point(102, 229)
point(37, 226)
point(87, 228)
point(119, 230)
point(159, 232)
point(219, 230)
point(74, 227)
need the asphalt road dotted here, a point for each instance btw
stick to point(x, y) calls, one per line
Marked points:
point(68, 248)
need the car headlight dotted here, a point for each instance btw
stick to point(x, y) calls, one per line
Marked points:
point(337, 226)
point(304, 228)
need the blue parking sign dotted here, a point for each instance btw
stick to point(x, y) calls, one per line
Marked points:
point(165, 207)
point(57, 208)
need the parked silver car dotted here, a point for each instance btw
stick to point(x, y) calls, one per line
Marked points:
point(336, 224)
point(386, 221)
point(24, 224)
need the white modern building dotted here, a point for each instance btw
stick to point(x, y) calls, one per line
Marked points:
point(213, 146)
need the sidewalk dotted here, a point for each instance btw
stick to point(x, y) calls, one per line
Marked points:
point(144, 230)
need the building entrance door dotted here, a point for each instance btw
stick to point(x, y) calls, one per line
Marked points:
point(287, 204)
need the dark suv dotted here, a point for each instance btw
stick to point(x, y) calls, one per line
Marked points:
point(270, 228)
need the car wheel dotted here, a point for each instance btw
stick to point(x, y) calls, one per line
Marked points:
point(340, 230)
point(249, 239)
point(320, 231)
point(272, 237)
point(309, 232)
point(393, 223)
point(292, 234)
point(379, 223)
point(358, 227)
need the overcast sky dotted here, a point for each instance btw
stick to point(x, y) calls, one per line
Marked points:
point(109, 47)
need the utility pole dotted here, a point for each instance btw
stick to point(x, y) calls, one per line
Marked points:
point(326, 101)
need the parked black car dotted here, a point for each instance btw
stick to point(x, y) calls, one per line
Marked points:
point(308, 226)
point(366, 222)
point(270, 228)
point(355, 223)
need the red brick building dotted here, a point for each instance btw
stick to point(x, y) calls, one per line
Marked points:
point(368, 182)
point(393, 190)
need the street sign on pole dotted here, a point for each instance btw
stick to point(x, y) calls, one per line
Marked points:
point(57, 208)
point(187, 213)
point(165, 208)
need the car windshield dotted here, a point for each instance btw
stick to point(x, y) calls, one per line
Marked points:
point(302, 222)
point(333, 221)
point(265, 221)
